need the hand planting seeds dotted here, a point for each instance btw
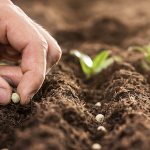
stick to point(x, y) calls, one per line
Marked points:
point(100, 118)
point(15, 98)
point(101, 128)
point(96, 146)
point(98, 104)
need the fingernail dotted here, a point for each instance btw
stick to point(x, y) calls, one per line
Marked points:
point(8, 80)
point(29, 97)
point(5, 96)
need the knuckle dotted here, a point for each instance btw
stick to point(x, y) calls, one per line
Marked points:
point(54, 58)
point(57, 54)
point(44, 43)
point(6, 9)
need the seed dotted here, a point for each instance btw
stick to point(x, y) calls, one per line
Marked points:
point(96, 146)
point(4, 149)
point(101, 128)
point(15, 98)
point(100, 118)
point(98, 104)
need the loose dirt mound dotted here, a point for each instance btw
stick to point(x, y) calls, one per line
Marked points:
point(62, 114)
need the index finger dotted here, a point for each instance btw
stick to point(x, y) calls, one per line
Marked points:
point(24, 37)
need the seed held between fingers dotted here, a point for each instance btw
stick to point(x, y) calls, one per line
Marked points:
point(15, 98)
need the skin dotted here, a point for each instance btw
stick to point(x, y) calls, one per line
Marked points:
point(21, 38)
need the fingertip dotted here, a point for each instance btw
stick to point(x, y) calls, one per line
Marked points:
point(26, 99)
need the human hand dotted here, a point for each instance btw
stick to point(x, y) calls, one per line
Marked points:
point(21, 38)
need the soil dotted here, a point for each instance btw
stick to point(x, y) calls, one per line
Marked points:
point(62, 114)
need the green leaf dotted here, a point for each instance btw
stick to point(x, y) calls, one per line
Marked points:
point(118, 58)
point(85, 61)
point(99, 59)
point(137, 48)
point(87, 70)
point(148, 58)
point(148, 48)
point(3, 64)
point(105, 64)
point(145, 65)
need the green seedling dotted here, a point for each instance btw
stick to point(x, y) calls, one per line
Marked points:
point(2, 64)
point(145, 51)
point(15, 98)
point(96, 65)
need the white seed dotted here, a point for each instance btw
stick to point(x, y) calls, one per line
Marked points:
point(101, 128)
point(100, 118)
point(96, 146)
point(4, 149)
point(15, 98)
point(98, 104)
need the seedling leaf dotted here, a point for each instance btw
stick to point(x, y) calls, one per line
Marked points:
point(148, 48)
point(148, 58)
point(87, 70)
point(99, 59)
point(85, 61)
point(118, 58)
point(145, 65)
point(105, 64)
point(137, 48)
point(2, 64)
point(85, 58)
point(99, 63)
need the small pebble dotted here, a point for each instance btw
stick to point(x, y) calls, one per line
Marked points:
point(96, 146)
point(101, 128)
point(98, 104)
point(100, 118)
point(15, 98)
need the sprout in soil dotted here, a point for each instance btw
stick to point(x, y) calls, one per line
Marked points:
point(2, 64)
point(146, 52)
point(96, 146)
point(100, 118)
point(15, 98)
point(101, 128)
point(96, 65)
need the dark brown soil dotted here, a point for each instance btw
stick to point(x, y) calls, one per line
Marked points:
point(62, 114)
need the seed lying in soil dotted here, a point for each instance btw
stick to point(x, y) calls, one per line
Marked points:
point(101, 128)
point(96, 146)
point(4, 149)
point(15, 98)
point(100, 118)
point(98, 104)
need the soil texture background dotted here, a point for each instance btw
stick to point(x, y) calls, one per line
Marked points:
point(62, 114)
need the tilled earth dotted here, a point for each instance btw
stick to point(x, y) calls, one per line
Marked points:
point(62, 114)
